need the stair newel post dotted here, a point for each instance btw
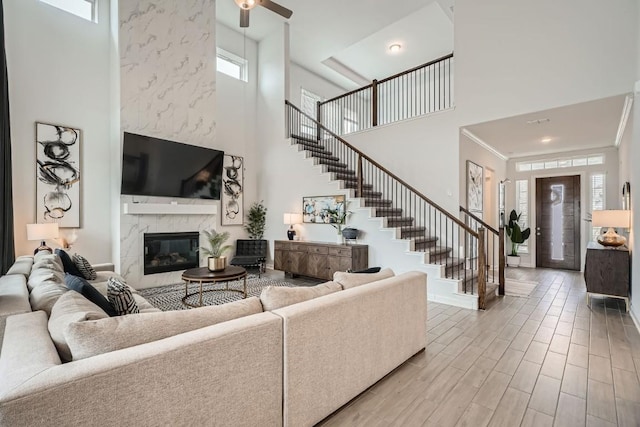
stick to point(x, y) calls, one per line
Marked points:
point(318, 118)
point(501, 262)
point(374, 103)
point(360, 177)
point(482, 276)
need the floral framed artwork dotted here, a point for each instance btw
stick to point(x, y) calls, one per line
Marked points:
point(475, 179)
point(58, 174)
point(232, 198)
point(314, 208)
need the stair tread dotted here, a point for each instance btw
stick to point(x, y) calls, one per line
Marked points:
point(304, 138)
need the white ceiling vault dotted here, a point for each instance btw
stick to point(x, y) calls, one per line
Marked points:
point(346, 42)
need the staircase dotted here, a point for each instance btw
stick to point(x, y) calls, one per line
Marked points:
point(452, 252)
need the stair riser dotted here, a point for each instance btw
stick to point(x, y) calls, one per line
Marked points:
point(340, 170)
point(340, 166)
point(392, 223)
point(327, 157)
point(410, 234)
point(354, 184)
point(377, 203)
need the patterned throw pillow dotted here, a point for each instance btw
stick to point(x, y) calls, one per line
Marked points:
point(85, 267)
point(121, 298)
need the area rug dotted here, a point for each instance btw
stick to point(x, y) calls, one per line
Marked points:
point(169, 297)
point(519, 288)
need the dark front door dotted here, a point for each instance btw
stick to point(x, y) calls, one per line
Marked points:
point(558, 222)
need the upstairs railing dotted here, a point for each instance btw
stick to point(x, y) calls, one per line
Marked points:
point(411, 93)
point(430, 227)
point(494, 247)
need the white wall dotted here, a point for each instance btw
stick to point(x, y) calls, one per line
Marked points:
point(301, 78)
point(633, 161)
point(609, 168)
point(58, 67)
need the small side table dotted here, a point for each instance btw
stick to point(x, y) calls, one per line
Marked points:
point(607, 271)
point(203, 275)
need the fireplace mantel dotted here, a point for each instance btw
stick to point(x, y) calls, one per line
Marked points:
point(169, 209)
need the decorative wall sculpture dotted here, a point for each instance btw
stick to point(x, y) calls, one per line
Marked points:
point(475, 183)
point(58, 175)
point(232, 190)
point(314, 208)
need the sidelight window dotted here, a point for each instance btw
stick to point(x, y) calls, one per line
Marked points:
point(86, 9)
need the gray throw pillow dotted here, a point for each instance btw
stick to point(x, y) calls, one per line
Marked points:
point(84, 267)
point(121, 298)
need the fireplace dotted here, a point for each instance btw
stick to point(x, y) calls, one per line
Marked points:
point(170, 252)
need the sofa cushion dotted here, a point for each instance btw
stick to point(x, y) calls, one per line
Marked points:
point(40, 254)
point(90, 338)
point(121, 298)
point(22, 265)
point(70, 308)
point(351, 280)
point(14, 296)
point(274, 297)
point(84, 267)
point(67, 262)
point(45, 295)
point(80, 285)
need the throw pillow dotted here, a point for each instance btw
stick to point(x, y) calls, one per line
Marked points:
point(45, 295)
point(69, 266)
point(90, 338)
point(366, 270)
point(351, 280)
point(274, 297)
point(84, 267)
point(121, 298)
point(80, 285)
point(70, 308)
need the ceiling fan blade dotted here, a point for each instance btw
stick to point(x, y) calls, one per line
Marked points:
point(275, 7)
point(244, 18)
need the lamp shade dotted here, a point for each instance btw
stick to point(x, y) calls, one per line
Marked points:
point(287, 219)
point(611, 218)
point(44, 231)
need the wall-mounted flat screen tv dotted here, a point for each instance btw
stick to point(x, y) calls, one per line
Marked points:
point(157, 167)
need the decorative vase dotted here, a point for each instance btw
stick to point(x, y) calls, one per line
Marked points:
point(513, 261)
point(217, 263)
point(350, 233)
point(339, 238)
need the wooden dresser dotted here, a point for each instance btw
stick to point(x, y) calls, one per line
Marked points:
point(606, 271)
point(319, 260)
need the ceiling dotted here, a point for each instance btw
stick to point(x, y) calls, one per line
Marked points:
point(330, 35)
point(346, 42)
point(592, 124)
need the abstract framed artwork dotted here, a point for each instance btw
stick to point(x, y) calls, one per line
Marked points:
point(475, 180)
point(58, 175)
point(232, 198)
point(314, 208)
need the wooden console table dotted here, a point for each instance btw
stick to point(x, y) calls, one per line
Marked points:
point(606, 272)
point(319, 260)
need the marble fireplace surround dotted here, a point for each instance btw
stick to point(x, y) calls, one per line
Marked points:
point(133, 226)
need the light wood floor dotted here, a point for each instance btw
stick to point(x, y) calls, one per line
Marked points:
point(542, 360)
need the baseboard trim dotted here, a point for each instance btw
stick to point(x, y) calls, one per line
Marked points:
point(634, 318)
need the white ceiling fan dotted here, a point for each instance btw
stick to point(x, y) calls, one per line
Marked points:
point(247, 5)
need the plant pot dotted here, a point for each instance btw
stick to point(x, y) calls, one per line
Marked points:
point(217, 263)
point(350, 233)
point(513, 261)
point(339, 238)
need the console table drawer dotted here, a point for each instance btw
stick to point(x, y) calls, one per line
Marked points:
point(346, 252)
point(322, 250)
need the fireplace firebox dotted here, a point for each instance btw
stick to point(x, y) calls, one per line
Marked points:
point(170, 252)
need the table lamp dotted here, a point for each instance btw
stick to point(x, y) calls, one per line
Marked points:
point(611, 219)
point(290, 219)
point(42, 232)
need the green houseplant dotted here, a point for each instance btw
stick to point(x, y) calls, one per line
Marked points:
point(256, 220)
point(517, 237)
point(337, 218)
point(216, 249)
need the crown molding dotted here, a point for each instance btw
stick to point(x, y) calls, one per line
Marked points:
point(483, 144)
point(624, 118)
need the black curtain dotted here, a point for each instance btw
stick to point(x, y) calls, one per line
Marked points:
point(7, 249)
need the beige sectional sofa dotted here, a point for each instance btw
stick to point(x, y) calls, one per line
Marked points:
point(292, 366)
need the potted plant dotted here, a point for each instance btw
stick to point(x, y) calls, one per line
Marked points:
point(256, 220)
point(216, 249)
point(517, 237)
point(337, 218)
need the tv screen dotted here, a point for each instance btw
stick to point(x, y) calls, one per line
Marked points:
point(157, 167)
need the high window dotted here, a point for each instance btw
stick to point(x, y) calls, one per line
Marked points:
point(595, 159)
point(309, 106)
point(86, 9)
point(232, 65)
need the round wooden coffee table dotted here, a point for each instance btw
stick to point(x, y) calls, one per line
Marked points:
point(203, 275)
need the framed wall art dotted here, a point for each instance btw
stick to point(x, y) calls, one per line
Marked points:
point(232, 198)
point(474, 188)
point(314, 208)
point(58, 174)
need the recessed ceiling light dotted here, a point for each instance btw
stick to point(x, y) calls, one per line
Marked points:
point(545, 140)
point(538, 121)
point(395, 48)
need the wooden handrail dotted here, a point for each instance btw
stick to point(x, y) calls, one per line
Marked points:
point(477, 219)
point(385, 170)
point(386, 79)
